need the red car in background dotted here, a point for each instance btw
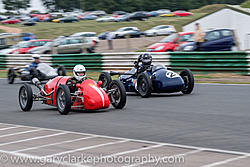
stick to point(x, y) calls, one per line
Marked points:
point(11, 21)
point(29, 45)
point(169, 43)
point(182, 13)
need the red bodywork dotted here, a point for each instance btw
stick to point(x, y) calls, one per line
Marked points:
point(182, 13)
point(31, 44)
point(90, 96)
point(11, 21)
point(168, 46)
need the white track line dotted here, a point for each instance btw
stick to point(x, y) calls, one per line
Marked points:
point(8, 128)
point(87, 148)
point(23, 132)
point(222, 84)
point(152, 161)
point(34, 138)
point(226, 161)
point(150, 142)
point(52, 144)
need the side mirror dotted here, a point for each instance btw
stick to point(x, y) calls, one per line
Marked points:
point(99, 83)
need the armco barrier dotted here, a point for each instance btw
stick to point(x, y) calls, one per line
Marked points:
point(125, 61)
point(16, 60)
point(2, 62)
point(198, 62)
point(211, 62)
point(92, 62)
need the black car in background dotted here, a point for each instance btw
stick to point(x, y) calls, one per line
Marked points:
point(138, 16)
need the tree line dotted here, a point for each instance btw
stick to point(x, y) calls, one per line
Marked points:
point(115, 5)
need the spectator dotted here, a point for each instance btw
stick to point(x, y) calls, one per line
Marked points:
point(110, 37)
point(198, 36)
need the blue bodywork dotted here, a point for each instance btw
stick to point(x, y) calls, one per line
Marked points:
point(163, 80)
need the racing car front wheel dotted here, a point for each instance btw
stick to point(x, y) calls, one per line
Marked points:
point(25, 97)
point(106, 79)
point(188, 78)
point(61, 71)
point(144, 85)
point(118, 96)
point(63, 99)
point(11, 76)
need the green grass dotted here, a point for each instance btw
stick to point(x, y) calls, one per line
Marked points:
point(53, 30)
point(2, 31)
point(245, 4)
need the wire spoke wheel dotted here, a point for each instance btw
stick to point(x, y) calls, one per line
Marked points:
point(63, 99)
point(144, 85)
point(25, 97)
point(117, 95)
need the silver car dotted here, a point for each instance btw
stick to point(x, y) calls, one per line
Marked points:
point(65, 45)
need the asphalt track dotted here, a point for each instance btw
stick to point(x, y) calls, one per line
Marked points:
point(213, 116)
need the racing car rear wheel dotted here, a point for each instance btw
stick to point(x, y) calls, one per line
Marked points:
point(11, 76)
point(61, 71)
point(118, 96)
point(106, 79)
point(144, 85)
point(25, 97)
point(63, 99)
point(188, 78)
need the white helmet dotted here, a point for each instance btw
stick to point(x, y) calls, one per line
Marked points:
point(79, 72)
point(36, 56)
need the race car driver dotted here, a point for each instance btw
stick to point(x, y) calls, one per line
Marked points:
point(146, 60)
point(79, 72)
point(36, 61)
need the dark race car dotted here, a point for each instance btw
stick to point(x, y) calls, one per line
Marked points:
point(66, 94)
point(147, 79)
point(42, 72)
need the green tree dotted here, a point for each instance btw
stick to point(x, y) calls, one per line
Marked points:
point(16, 5)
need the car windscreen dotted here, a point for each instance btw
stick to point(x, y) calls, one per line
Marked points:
point(185, 38)
point(169, 38)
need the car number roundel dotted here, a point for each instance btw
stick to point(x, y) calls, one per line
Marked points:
point(171, 74)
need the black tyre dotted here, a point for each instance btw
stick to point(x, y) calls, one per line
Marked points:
point(11, 76)
point(188, 78)
point(25, 97)
point(106, 79)
point(118, 95)
point(144, 85)
point(61, 71)
point(63, 99)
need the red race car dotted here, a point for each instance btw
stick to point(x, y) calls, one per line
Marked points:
point(169, 43)
point(66, 94)
point(11, 21)
point(182, 13)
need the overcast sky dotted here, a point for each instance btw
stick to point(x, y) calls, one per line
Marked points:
point(35, 5)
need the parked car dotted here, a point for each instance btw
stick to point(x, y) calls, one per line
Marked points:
point(29, 23)
point(91, 36)
point(13, 47)
point(103, 35)
point(215, 40)
point(88, 17)
point(138, 16)
point(160, 30)
point(152, 14)
point(162, 11)
point(169, 43)
point(105, 19)
point(98, 13)
point(68, 19)
point(170, 14)
point(131, 31)
point(11, 21)
point(27, 36)
point(121, 18)
point(119, 13)
point(29, 45)
point(182, 13)
point(65, 45)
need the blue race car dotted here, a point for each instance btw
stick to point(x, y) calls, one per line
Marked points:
point(145, 78)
